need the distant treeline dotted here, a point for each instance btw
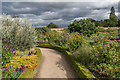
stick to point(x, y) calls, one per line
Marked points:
point(106, 23)
point(113, 20)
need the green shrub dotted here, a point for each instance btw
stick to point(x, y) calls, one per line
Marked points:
point(52, 36)
point(82, 26)
point(52, 25)
point(100, 29)
point(69, 41)
point(21, 37)
point(41, 32)
point(84, 54)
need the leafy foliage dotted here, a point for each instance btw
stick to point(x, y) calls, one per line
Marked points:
point(7, 53)
point(41, 32)
point(113, 19)
point(21, 37)
point(52, 25)
point(70, 41)
point(100, 29)
point(82, 26)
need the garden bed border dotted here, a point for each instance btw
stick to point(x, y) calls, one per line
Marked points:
point(29, 73)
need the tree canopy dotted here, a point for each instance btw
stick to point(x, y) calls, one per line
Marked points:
point(113, 19)
point(52, 25)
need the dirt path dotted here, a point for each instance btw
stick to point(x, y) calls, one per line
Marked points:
point(54, 65)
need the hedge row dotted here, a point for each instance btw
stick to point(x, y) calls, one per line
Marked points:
point(82, 71)
point(29, 73)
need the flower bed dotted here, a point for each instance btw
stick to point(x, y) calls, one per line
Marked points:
point(30, 72)
point(16, 63)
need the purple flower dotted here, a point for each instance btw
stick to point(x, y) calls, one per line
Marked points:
point(22, 70)
point(3, 39)
point(8, 43)
point(14, 53)
point(9, 49)
point(8, 66)
point(118, 40)
point(12, 47)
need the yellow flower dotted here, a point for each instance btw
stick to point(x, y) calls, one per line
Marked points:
point(11, 62)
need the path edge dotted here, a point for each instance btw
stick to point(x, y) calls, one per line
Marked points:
point(81, 70)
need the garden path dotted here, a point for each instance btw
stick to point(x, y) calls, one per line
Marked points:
point(54, 65)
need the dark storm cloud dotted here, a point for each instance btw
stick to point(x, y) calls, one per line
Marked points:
point(61, 13)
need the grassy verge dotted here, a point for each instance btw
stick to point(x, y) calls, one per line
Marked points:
point(29, 73)
point(82, 71)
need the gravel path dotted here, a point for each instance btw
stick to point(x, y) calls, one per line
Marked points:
point(54, 65)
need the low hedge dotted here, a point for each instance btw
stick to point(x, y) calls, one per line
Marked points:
point(82, 71)
point(29, 73)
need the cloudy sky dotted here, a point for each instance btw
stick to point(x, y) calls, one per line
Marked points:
point(60, 13)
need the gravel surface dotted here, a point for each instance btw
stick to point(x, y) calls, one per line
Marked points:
point(54, 65)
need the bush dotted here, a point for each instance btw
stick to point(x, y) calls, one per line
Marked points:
point(41, 32)
point(52, 25)
point(82, 26)
point(100, 29)
point(21, 37)
point(84, 54)
point(70, 41)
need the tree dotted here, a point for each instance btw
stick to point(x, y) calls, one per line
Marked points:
point(92, 20)
point(19, 36)
point(113, 19)
point(119, 23)
point(52, 25)
point(82, 26)
point(14, 16)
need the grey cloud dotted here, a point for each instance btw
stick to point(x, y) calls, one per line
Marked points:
point(62, 13)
